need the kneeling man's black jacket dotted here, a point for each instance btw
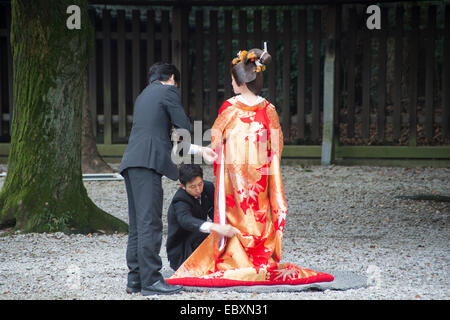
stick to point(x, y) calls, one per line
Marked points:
point(185, 216)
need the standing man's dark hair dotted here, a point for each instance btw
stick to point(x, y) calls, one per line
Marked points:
point(162, 71)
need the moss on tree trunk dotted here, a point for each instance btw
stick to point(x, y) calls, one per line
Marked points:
point(43, 190)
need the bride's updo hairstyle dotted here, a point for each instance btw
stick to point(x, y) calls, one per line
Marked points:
point(248, 68)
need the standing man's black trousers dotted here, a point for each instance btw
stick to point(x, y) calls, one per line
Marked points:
point(145, 200)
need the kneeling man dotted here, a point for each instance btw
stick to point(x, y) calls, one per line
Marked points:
point(188, 213)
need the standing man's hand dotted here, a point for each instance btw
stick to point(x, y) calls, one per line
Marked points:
point(174, 135)
point(209, 155)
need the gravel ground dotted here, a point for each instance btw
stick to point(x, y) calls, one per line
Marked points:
point(339, 218)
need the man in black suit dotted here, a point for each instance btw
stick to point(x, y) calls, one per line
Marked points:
point(146, 159)
point(187, 217)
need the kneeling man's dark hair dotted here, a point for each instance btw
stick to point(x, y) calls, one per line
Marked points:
point(163, 71)
point(189, 172)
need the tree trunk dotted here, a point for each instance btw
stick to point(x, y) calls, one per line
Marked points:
point(91, 160)
point(43, 190)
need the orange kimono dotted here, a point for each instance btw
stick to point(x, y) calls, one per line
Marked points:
point(249, 195)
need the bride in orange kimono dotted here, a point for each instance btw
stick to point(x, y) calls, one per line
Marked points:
point(249, 192)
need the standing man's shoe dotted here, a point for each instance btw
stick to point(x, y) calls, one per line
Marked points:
point(161, 287)
point(133, 287)
point(133, 290)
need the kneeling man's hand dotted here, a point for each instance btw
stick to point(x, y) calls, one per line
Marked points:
point(225, 230)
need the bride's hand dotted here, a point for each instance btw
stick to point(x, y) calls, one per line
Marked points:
point(209, 155)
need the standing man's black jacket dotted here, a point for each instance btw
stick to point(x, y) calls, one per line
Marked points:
point(156, 109)
point(185, 216)
point(146, 159)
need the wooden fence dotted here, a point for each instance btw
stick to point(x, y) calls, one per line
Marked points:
point(391, 86)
